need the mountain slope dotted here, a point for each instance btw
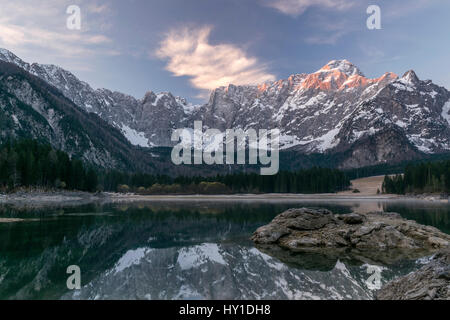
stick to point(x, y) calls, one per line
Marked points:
point(31, 108)
point(147, 122)
point(312, 109)
point(336, 110)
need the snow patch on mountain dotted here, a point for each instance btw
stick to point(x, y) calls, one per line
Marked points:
point(130, 258)
point(446, 111)
point(270, 261)
point(343, 66)
point(328, 140)
point(403, 87)
point(135, 138)
point(328, 110)
point(194, 257)
point(401, 124)
point(423, 144)
point(15, 119)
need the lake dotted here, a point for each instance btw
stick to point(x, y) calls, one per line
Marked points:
point(183, 250)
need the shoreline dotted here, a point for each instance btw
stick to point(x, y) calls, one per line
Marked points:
point(368, 190)
point(35, 198)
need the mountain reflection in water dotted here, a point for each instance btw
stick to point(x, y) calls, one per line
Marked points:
point(185, 250)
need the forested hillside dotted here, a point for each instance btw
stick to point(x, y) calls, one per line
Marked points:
point(27, 163)
point(30, 164)
point(431, 177)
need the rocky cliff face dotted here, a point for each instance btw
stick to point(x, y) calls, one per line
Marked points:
point(334, 110)
point(31, 108)
point(337, 109)
point(147, 122)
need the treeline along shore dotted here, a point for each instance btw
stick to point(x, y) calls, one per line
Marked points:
point(28, 164)
point(432, 177)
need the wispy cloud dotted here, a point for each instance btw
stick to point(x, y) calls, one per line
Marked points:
point(28, 26)
point(330, 39)
point(297, 7)
point(190, 53)
point(399, 9)
point(326, 32)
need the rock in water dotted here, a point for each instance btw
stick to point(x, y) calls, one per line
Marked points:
point(377, 236)
point(432, 282)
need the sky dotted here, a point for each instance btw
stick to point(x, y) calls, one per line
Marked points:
point(189, 47)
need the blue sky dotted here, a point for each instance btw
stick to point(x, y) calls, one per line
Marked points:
point(189, 47)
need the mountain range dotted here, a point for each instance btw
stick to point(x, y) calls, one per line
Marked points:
point(336, 111)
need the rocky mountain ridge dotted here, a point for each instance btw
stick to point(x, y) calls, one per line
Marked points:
point(334, 110)
point(31, 108)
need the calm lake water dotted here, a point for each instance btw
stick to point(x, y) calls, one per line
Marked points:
point(183, 250)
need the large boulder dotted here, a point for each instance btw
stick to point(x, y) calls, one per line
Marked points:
point(432, 282)
point(371, 237)
point(293, 219)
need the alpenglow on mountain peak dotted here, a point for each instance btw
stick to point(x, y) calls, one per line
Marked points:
point(335, 110)
point(343, 66)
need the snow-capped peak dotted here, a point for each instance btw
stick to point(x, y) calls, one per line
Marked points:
point(343, 66)
point(410, 77)
point(328, 110)
point(8, 56)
